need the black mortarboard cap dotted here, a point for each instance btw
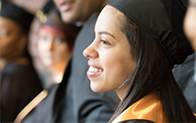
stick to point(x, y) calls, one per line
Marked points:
point(18, 14)
point(41, 14)
point(163, 21)
point(50, 15)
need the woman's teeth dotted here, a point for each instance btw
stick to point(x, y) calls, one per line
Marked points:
point(92, 69)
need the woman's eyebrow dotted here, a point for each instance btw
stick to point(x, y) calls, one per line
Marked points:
point(107, 33)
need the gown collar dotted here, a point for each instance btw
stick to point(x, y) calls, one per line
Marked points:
point(147, 108)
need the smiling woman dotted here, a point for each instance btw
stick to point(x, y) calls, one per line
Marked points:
point(109, 54)
point(133, 52)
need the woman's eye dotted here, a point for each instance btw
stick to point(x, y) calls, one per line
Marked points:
point(58, 40)
point(43, 38)
point(3, 33)
point(105, 42)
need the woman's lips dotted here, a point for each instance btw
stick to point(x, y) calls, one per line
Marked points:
point(94, 72)
point(66, 6)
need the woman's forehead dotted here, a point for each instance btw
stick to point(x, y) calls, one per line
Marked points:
point(108, 19)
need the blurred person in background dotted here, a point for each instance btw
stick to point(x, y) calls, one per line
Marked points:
point(184, 73)
point(19, 80)
point(55, 46)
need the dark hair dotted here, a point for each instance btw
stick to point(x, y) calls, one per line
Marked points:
point(153, 73)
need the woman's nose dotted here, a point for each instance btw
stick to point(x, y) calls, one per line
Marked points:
point(90, 52)
point(50, 44)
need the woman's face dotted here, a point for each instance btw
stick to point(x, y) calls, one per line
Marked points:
point(53, 50)
point(110, 59)
point(10, 38)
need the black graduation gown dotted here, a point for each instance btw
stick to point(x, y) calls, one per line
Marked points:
point(19, 85)
point(49, 109)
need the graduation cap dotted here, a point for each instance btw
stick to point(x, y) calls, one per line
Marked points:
point(163, 21)
point(52, 22)
point(44, 10)
point(17, 14)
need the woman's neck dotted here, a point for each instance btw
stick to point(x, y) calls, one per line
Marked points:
point(57, 71)
point(122, 91)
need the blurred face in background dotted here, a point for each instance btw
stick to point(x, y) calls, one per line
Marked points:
point(73, 11)
point(53, 49)
point(190, 23)
point(12, 40)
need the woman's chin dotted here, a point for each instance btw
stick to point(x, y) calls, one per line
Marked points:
point(97, 88)
point(48, 63)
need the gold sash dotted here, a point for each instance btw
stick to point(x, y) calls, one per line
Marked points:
point(147, 108)
point(30, 106)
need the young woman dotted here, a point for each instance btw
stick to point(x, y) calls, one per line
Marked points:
point(55, 45)
point(137, 43)
point(19, 82)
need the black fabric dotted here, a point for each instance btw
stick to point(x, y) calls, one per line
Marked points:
point(184, 76)
point(48, 6)
point(18, 14)
point(184, 3)
point(163, 21)
point(43, 113)
point(137, 121)
point(50, 107)
point(19, 85)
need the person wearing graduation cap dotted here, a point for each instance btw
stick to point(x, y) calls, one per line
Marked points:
point(55, 44)
point(184, 73)
point(55, 47)
point(19, 80)
point(137, 43)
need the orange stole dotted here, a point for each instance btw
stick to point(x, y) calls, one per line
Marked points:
point(147, 108)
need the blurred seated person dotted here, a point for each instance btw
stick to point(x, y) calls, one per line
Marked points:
point(19, 82)
point(190, 31)
point(55, 47)
point(55, 44)
point(185, 72)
